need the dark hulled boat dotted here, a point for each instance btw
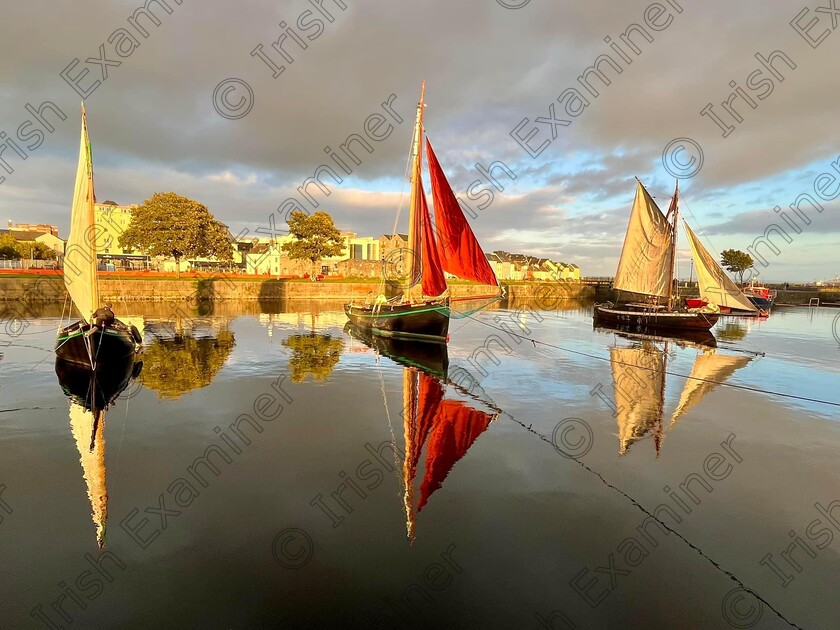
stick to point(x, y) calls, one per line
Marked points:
point(421, 312)
point(90, 340)
point(646, 268)
point(432, 358)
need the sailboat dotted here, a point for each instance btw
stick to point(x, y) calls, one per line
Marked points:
point(422, 311)
point(639, 378)
point(646, 267)
point(87, 342)
point(91, 393)
point(715, 286)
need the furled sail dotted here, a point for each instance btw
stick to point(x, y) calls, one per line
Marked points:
point(715, 285)
point(412, 257)
point(709, 369)
point(461, 254)
point(89, 432)
point(646, 257)
point(80, 250)
point(639, 380)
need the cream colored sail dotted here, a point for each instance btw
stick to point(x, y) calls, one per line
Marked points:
point(709, 369)
point(80, 251)
point(639, 381)
point(715, 285)
point(89, 432)
point(645, 261)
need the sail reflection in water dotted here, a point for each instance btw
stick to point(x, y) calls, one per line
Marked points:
point(91, 393)
point(447, 428)
point(639, 379)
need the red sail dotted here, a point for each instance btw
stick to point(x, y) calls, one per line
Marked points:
point(434, 282)
point(461, 253)
point(429, 397)
point(457, 426)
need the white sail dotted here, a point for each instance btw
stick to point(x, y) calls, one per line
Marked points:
point(89, 432)
point(639, 381)
point(709, 369)
point(645, 262)
point(715, 285)
point(80, 251)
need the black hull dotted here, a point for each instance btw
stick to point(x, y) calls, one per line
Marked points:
point(641, 321)
point(96, 389)
point(88, 346)
point(760, 302)
point(694, 337)
point(428, 321)
point(432, 358)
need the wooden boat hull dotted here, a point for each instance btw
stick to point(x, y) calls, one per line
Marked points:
point(693, 337)
point(81, 342)
point(432, 358)
point(427, 321)
point(651, 320)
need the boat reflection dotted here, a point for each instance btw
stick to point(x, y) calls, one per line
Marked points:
point(446, 427)
point(91, 393)
point(639, 377)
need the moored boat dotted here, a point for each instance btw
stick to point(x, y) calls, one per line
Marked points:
point(646, 268)
point(421, 312)
point(98, 335)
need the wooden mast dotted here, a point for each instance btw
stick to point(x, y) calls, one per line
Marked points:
point(412, 258)
point(673, 248)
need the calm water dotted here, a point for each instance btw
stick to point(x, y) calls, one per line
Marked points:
point(535, 470)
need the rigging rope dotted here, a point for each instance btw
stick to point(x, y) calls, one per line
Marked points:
point(693, 378)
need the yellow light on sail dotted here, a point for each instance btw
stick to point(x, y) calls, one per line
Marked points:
point(89, 433)
point(645, 261)
point(715, 285)
point(709, 369)
point(80, 251)
point(639, 381)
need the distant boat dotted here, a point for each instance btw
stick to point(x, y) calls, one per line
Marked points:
point(422, 311)
point(761, 297)
point(715, 286)
point(86, 342)
point(646, 268)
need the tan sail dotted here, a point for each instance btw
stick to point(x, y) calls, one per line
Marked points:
point(639, 381)
point(646, 256)
point(80, 250)
point(715, 285)
point(410, 394)
point(89, 432)
point(709, 369)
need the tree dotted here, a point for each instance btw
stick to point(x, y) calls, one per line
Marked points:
point(9, 248)
point(36, 251)
point(736, 261)
point(315, 237)
point(174, 226)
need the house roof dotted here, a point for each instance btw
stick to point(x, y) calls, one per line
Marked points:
point(402, 236)
point(23, 235)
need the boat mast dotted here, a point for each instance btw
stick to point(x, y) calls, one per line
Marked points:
point(673, 247)
point(414, 236)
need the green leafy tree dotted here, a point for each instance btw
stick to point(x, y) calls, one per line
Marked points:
point(736, 261)
point(174, 226)
point(313, 354)
point(9, 248)
point(36, 251)
point(315, 237)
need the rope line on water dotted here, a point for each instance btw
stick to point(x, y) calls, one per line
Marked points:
point(642, 367)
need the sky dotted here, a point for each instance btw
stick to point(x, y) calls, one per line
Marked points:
point(201, 104)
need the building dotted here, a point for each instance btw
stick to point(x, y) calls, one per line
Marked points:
point(515, 267)
point(41, 228)
point(391, 242)
point(36, 236)
point(112, 220)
